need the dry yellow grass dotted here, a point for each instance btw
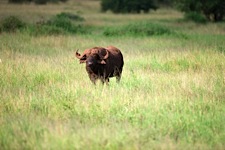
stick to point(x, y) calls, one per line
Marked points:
point(171, 94)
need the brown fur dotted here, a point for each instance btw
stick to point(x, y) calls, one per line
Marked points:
point(102, 63)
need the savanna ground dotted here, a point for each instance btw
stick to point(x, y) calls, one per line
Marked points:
point(171, 95)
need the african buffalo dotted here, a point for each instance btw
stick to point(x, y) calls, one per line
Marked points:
point(102, 63)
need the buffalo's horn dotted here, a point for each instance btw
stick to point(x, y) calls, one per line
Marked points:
point(78, 55)
point(106, 55)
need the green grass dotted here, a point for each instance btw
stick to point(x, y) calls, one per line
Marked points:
point(171, 95)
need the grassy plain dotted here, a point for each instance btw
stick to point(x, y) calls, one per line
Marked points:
point(171, 95)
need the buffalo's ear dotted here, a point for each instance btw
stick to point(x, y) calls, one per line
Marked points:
point(101, 62)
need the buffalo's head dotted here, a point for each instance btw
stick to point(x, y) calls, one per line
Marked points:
point(93, 56)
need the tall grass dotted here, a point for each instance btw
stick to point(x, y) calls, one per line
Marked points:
point(171, 94)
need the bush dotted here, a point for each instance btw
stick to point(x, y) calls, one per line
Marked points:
point(19, 1)
point(62, 23)
point(37, 1)
point(138, 29)
point(196, 17)
point(41, 2)
point(70, 16)
point(11, 24)
point(128, 6)
point(213, 10)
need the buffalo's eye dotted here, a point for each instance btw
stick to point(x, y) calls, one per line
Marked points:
point(84, 57)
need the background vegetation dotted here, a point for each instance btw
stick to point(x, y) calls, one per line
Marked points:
point(36, 1)
point(126, 6)
point(171, 95)
point(196, 10)
point(213, 10)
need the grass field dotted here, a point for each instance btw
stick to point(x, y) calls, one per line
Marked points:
point(171, 95)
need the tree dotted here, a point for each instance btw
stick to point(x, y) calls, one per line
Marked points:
point(128, 6)
point(36, 1)
point(213, 10)
point(19, 1)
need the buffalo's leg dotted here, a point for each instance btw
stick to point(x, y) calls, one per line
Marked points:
point(118, 75)
point(118, 79)
point(105, 80)
point(93, 78)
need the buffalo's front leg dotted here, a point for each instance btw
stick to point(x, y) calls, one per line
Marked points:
point(118, 78)
point(105, 80)
point(93, 78)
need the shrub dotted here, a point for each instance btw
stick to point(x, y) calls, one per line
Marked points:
point(41, 2)
point(71, 16)
point(56, 1)
point(11, 24)
point(137, 29)
point(213, 10)
point(19, 1)
point(62, 23)
point(196, 17)
point(37, 1)
point(128, 6)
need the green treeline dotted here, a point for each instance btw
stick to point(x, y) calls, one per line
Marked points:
point(36, 1)
point(197, 10)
